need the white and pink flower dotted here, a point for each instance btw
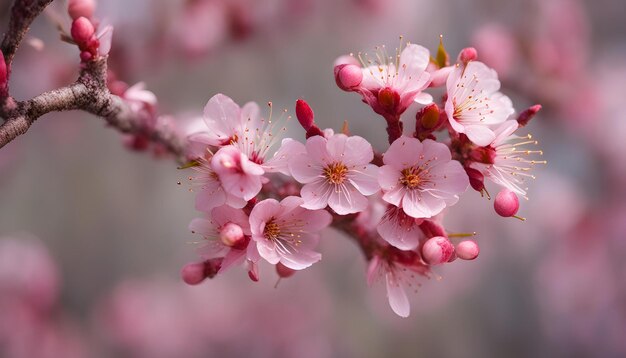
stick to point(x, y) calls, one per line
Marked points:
point(474, 102)
point(220, 242)
point(336, 172)
point(286, 232)
point(389, 84)
point(238, 175)
point(421, 177)
point(504, 161)
point(399, 269)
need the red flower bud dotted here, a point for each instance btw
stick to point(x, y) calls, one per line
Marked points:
point(476, 179)
point(82, 31)
point(305, 114)
point(193, 273)
point(527, 115)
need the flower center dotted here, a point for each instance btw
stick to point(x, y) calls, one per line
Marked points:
point(411, 178)
point(272, 230)
point(336, 173)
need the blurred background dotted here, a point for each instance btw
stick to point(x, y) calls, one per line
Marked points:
point(92, 235)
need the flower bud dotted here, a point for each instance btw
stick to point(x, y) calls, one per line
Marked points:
point(348, 77)
point(231, 234)
point(85, 56)
point(82, 31)
point(305, 114)
point(4, 75)
point(467, 54)
point(527, 115)
point(506, 203)
point(253, 271)
point(193, 273)
point(467, 250)
point(476, 179)
point(81, 8)
point(284, 271)
point(437, 250)
point(428, 116)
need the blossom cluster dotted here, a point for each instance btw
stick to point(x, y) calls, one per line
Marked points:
point(264, 198)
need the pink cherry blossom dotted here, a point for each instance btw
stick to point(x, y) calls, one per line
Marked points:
point(212, 228)
point(399, 229)
point(286, 232)
point(474, 102)
point(504, 161)
point(399, 269)
point(225, 121)
point(336, 173)
point(238, 175)
point(421, 177)
point(208, 186)
point(390, 87)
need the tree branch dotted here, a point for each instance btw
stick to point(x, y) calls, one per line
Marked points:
point(89, 93)
point(23, 13)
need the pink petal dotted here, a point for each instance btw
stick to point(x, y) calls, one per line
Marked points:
point(480, 135)
point(304, 170)
point(398, 300)
point(404, 152)
point(423, 98)
point(357, 151)
point(347, 200)
point(289, 148)
point(202, 227)
point(267, 250)
point(388, 177)
point(395, 195)
point(365, 179)
point(504, 131)
point(316, 194)
point(317, 152)
point(232, 258)
point(414, 206)
point(373, 270)
point(312, 220)
point(210, 196)
point(300, 259)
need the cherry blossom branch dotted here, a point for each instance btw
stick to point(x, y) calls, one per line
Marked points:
point(89, 93)
point(23, 13)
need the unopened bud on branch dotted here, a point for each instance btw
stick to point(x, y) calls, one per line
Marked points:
point(437, 250)
point(506, 203)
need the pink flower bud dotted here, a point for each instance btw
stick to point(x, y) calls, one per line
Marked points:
point(193, 273)
point(231, 234)
point(467, 250)
point(253, 271)
point(437, 250)
point(85, 56)
point(527, 115)
point(4, 75)
point(476, 179)
point(506, 203)
point(81, 8)
point(348, 77)
point(305, 114)
point(82, 31)
point(467, 54)
point(284, 271)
